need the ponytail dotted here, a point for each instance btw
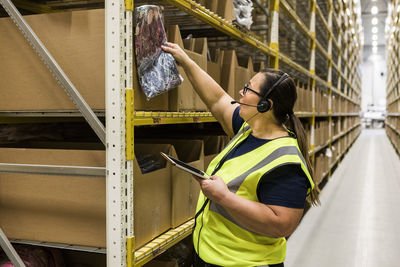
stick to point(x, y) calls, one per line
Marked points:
point(296, 126)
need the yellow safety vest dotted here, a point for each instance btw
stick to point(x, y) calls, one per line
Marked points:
point(218, 239)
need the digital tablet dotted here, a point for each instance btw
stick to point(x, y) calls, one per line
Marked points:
point(185, 167)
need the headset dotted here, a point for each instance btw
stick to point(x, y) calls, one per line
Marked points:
point(264, 105)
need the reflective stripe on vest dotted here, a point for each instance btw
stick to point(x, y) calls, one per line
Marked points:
point(222, 240)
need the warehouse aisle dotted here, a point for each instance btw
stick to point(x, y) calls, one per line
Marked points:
point(357, 224)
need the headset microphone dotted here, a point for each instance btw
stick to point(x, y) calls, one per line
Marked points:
point(255, 106)
point(237, 102)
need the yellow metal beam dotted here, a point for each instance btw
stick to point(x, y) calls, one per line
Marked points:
point(129, 123)
point(157, 118)
point(161, 243)
point(274, 33)
point(221, 24)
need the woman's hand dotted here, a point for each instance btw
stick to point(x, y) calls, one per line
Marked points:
point(177, 52)
point(214, 188)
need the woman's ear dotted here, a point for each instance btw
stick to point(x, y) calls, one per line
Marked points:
point(271, 103)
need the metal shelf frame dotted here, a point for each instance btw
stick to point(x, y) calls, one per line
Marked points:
point(393, 75)
point(328, 173)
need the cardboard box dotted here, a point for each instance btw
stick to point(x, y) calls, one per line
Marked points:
point(214, 66)
point(74, 39)
point(196, 48)
point(152, 195)
point(184, 96)
point(233, 76)
point(61, 209)
point(212, 146)
point(72, 210)
point(185, 189)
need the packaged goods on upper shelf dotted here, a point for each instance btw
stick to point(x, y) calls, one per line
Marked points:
point(243, 9)
point(156, 68)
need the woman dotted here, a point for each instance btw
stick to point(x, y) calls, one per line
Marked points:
point(260, 181)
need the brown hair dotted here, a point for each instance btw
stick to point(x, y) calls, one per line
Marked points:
point(284, 96)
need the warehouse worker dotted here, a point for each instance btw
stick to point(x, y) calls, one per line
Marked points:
point(259, 182)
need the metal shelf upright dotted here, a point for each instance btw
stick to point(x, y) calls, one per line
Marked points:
point(393, 76)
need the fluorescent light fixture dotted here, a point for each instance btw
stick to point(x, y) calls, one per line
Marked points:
point(374, 29)
point(374, 21)
point(374, 10)
point(374, 49)
point(375, 37)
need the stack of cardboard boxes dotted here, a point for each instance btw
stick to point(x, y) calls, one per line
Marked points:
point(72, 210)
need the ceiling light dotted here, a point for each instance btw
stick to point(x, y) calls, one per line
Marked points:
point(374, 43)
point(374, 21)
point(375, 37)
point(374, 29)
point(374, 49)
point(398, 8)
point(374, 10)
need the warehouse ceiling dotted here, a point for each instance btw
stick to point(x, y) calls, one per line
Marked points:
point(373, 15)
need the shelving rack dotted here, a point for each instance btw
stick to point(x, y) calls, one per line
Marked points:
point(333, 54)
point(393, 77)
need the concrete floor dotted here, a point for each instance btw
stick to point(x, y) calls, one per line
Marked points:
point(358, 223)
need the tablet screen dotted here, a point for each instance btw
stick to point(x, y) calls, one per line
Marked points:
point(186, 167)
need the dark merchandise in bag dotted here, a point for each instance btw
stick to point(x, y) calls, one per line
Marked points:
point(156, 69)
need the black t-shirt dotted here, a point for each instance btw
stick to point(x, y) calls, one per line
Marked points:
point(285, 185)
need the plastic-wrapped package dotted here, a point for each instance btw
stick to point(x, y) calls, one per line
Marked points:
point(156, 69)
point(243, 9)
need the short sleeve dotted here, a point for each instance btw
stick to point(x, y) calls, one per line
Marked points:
point(285, 186)
point(237, 121)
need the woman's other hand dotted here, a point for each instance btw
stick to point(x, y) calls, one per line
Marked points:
point(177, 52)
point(214, 188)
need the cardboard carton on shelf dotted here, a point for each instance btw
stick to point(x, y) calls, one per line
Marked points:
point(60, 209)
point(72, 210)
point(73, 39)
point(297, 104)
point(212, 146)
point(152, 195)
point(184, 97)
point(196, 48)
point(214, 66)
point(224, 8)
point(185, 189)
point(307, 98)
point(317, 100)
point(235, 76)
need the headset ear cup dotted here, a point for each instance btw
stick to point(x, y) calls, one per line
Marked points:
point(263, 106)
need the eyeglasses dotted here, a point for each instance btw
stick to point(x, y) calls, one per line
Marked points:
point(247, 88)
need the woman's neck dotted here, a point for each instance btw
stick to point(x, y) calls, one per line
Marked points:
point(266, 128)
